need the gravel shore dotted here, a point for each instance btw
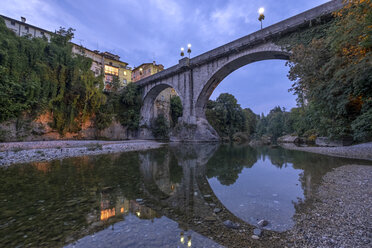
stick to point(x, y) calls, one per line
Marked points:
point(24, 152)
point(340, 215)
point(361, 151)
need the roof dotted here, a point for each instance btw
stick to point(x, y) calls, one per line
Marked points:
point(148, 64)
point(46, 31)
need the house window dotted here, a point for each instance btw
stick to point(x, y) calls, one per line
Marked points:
point(13, 23)
point(42, 33)
point(26, 29)
point(111, 70)
point(149, 71)
point(124, 81)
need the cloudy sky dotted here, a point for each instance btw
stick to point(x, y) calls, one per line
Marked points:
point(147, 30)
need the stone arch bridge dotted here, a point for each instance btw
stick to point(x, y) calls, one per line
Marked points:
point(195, 79)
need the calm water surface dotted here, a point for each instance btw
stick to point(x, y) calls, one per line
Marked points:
point(178, 196)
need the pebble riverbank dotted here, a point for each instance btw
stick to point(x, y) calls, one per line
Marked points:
point(361, 151)
point(25, 152)
point(340, 215)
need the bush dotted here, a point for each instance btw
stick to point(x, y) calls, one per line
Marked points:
point(160, 127)
point(176, 109)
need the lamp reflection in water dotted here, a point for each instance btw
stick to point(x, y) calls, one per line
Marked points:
point(182, 238)
point(189, 241)
point(107, 213)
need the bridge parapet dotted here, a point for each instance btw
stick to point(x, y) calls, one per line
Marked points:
point(278, 29)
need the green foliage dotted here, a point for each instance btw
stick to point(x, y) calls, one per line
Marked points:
point(225, 115)
point(250, 121)
point(128, 110)
point(277, 123)
point(124, 106)
point(37, 76)
point(160, 127)
point(175, 109)
point(333, 76)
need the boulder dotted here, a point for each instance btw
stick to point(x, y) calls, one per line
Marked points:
point(263, 141)
point(240, 137)
point(289, 139)
point(231, 224)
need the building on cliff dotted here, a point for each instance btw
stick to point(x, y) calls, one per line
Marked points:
point(108, 64)
point(21, 28)
point(116, 73)
point(145, 70)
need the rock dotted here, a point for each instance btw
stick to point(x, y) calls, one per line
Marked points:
point(212, 204)
point(325, 141)
point(139, 200)
point(207, 196)
point(289, 139)
point(216, 210)
point(255, 237)
point(210, 218)
point(240, 137)
point(264, 140)
point(195, 129)
point(263, 223)
point(257, 232)
point(230, 224)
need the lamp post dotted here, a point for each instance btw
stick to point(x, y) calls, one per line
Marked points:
point(262, 16)
point(189, 49)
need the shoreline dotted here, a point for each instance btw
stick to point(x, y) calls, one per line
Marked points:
point(38, 151)
point(360, 151)
point(339, 215)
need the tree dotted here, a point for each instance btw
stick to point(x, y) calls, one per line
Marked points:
point(37, 76)
point(333, 75)
point(250, 121)
point(176, 109)
point(225, 115)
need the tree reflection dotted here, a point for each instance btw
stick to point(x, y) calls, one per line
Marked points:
point(229, 161)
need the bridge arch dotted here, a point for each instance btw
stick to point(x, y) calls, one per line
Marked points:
point(148, 100)
point(232, 64)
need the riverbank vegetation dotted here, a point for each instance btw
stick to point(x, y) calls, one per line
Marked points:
point(332, 79)
point(37, 76)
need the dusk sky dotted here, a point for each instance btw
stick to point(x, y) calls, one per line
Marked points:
point(142, 31)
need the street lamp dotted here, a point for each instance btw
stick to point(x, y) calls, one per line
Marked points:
point(182, 51)
point(189, 49)
point(262, 16)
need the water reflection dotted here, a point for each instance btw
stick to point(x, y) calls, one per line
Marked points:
point(176, 196)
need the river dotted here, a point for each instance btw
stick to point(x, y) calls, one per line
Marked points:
point(177, 196)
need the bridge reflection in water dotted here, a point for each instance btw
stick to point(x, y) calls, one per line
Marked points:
point(152, 198)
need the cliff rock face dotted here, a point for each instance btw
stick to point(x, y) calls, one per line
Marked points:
point(25, 129)
point(201, 131)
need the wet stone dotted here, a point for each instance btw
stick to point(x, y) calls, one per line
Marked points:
point(231, 224)
point(216, 210)
point(257, 232)
point(263, 223)
point(255, 237)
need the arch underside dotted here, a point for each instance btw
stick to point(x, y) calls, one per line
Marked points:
point(227, 69)
point(149, 99)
